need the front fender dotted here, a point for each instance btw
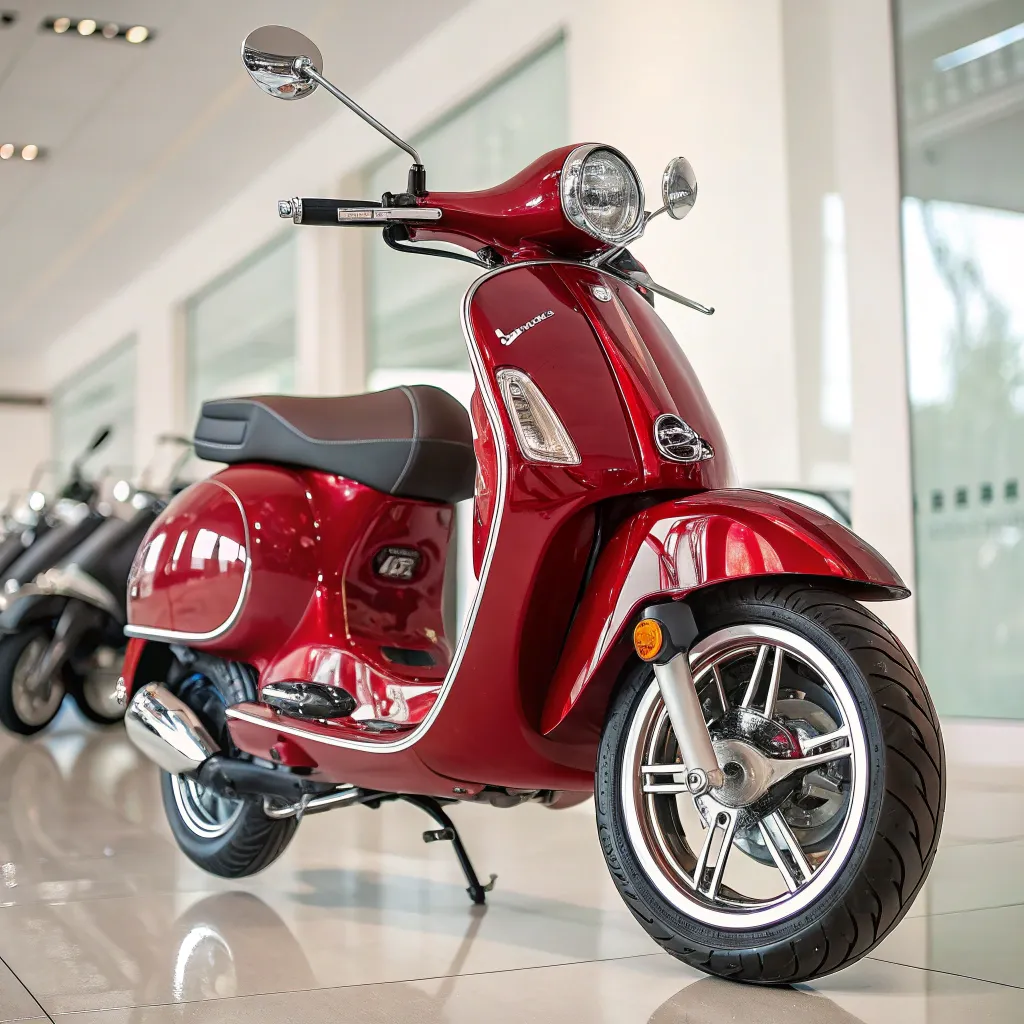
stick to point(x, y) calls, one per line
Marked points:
point(679, 546)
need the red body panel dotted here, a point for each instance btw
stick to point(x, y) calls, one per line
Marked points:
point(315, 610)
point(679, 546)
point(190, 572)
point(520, 219)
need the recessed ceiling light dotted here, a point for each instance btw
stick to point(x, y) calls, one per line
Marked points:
point(6, 151)
point(29, 152)
point(85, 27)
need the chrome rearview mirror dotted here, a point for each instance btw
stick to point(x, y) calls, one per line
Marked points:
point(285, 64)
point(275, 57)
point(678, 188)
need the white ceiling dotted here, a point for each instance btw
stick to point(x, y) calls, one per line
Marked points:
point(145, 141)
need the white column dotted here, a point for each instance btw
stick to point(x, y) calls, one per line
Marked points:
point(868, 175)
point(159, 381)
point(705, 80)
point(330, 327)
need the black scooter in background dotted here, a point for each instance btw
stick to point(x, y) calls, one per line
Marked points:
point(49, 531)
point(63, 632)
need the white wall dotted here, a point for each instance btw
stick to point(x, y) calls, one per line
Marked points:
point(25, 434)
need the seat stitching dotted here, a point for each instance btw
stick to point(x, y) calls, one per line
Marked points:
point(414, 446)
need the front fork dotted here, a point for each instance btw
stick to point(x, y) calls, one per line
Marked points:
point(72, 625)
point(664, 637)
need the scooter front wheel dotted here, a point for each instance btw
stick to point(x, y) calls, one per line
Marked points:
point(827, 823)
point(27, 704)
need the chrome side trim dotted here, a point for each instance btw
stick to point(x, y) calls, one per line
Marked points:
point(175, 636)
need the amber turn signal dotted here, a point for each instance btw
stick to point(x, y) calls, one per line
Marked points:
point(647, 639)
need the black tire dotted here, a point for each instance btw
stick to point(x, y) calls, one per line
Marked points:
point(12, 647)
point(252, 841)
point(898, 834)
point(96, 717)
point(76, 684)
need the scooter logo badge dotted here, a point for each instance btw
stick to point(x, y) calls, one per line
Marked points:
point(507, 339)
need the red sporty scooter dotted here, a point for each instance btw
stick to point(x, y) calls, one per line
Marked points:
point(766, 761)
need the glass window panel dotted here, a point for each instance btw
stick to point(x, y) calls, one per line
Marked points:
point(241, 329)
point(414, 332)
point(962, 140)
point(103, 394)
point(414, 302)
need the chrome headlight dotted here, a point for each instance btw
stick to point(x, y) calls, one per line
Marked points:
point(602, 194)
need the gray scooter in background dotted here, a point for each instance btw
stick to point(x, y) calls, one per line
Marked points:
point(63, 632)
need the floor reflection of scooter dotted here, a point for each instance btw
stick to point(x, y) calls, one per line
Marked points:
point(64, 630)
point(712, 1001)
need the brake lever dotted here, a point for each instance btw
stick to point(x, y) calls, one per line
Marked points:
point(640, 278)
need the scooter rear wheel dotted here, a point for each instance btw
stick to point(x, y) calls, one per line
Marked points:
point(227, 837)
point(782, 882)
point(26, 707)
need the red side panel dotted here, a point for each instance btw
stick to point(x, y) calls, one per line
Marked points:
point(679, 546)
point(191, 570)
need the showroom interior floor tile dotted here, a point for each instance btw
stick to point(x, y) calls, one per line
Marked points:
point(102, 921)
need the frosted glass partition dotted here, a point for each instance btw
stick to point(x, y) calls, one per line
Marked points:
point(102, 394)
point(241, 329)
point(962, 96)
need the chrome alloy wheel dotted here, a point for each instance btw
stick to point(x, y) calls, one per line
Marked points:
point(205, 813)
point(789, 736)
point(35, 701)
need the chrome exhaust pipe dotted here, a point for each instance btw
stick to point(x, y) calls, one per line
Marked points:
point(167, 730)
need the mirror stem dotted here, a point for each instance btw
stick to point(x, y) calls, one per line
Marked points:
point(305, 67)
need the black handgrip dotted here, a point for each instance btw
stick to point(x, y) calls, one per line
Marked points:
point(321, 211)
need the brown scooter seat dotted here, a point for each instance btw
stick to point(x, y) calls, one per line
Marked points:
point(415, 441)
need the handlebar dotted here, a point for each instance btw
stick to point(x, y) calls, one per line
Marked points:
point(351, 212)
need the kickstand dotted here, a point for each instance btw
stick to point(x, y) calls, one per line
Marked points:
point(448, 831)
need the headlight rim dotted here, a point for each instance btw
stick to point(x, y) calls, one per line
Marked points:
point(571, 201)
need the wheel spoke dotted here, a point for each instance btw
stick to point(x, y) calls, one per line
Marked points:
point(781, 836)
point(783, 767)
point(773, 683)
point(720, 688)
point(670, 788)
point(792, 882)
point(813, 742)
point(755, 676)
point(724, 821)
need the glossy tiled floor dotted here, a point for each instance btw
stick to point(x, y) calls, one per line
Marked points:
point(102, 921)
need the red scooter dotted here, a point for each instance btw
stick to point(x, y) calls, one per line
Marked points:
point(765, 759)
